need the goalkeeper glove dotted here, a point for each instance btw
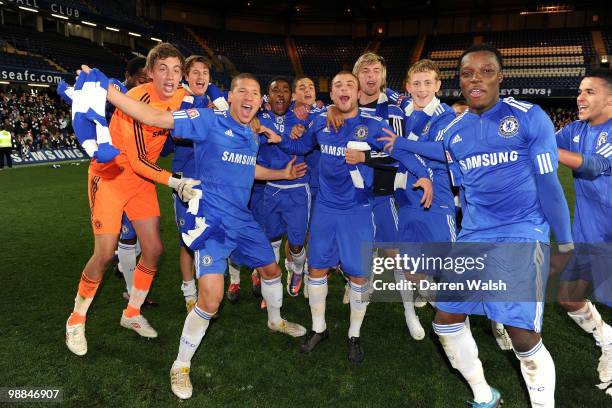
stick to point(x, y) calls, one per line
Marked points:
point(183, 187)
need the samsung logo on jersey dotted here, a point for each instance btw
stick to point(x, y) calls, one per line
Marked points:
point(333, 150)
point(238, 158)
point(488, 159)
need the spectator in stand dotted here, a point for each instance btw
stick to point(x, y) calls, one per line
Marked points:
point(561, 116)
point(38, 117)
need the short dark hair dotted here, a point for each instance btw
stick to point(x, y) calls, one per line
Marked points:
point(298, 79)
point(162, 51)
point(135, 64)
point(279, 78)
point(244, 75)
point(189, 61)
point(601, 73)
point(346, 72)
point(482, 47)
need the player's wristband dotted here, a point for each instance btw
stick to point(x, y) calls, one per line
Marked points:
point(567, 247)
point(174, 182)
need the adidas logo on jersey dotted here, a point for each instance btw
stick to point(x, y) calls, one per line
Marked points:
point(229, 133)
point(576, 139)
point(456, 139)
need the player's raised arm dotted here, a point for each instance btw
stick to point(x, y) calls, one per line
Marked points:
point(408, 159)
point(305, 143)
point(564, 140)
point(543, 153)
point(291, 172)
point(429, 150)
point(413, 163)
point(140, 111)
point(588, 165)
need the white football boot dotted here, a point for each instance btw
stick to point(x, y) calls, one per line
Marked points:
point(180, 382)
point(75, 339)
point(139, 324)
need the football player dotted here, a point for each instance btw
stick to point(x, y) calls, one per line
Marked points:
point(127, 184)
point(503, 155)
point(343, 210)
point(225, 148)
point(585, 146)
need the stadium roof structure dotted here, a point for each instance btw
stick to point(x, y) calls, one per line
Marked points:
point(296, 10)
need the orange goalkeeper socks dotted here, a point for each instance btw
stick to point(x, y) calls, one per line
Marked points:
point(87, 291)
point(143, 277)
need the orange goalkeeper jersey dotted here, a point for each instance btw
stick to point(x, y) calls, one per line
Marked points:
point(140, 145)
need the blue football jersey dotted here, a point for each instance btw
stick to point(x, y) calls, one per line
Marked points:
point(183, 160)
point(592, 213)
point(342, 186)
point(494, 158)
point(424, 127)
point(270, 155)
point(312, 158)
point(226, 155)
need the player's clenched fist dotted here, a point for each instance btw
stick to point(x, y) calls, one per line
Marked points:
point(297, 131)
point(184, 187)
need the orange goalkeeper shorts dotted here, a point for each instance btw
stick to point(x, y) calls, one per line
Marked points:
point(110, 197)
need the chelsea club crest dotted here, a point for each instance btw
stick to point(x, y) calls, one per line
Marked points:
point(361, 132)
point(426, 129)
point(508, 127)
point(207, 260)
point(601, 139)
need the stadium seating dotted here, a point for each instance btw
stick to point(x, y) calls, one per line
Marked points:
point(396, 51)
point(607, 39)
point(24, 61)
point(260, 54)
point(177, 35)
point(551, 59)
point(123, 51)
point(324, 56)
point(116, 10)
point(69, 53)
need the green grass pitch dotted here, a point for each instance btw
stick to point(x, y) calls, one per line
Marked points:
point(46, 240)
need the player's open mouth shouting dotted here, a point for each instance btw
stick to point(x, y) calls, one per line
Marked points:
point(345, 101)
point(476, 93)
point(200, 87)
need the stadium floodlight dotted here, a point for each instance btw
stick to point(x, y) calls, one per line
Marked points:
point(561, 8)
point(60, 16)
point(134, 34)
point(112, 28)
point(156, 39)
point(28, 9)
point(89, 23)
point(39, 85)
